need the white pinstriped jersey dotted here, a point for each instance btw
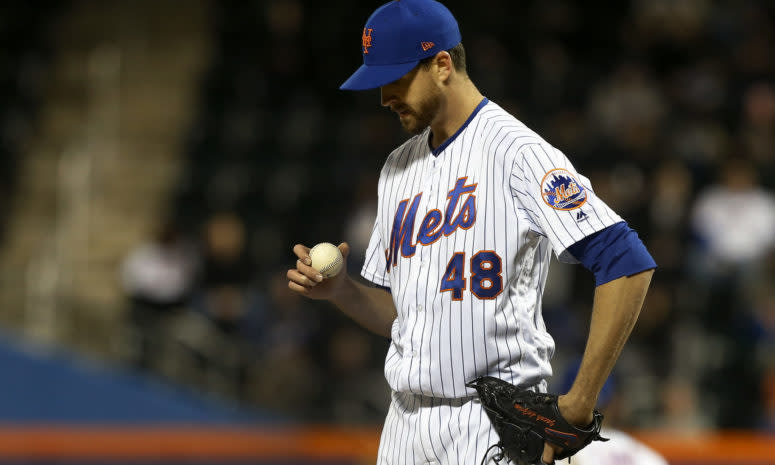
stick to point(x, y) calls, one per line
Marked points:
point(463, 238)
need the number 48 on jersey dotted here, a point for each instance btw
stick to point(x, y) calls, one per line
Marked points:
point(485, 275)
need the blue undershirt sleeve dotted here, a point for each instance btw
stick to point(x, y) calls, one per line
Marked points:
point(613, 252)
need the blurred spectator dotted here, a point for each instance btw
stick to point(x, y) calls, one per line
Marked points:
point(229, 316)
point(157, 277)
point(672, 189)
point(734, 221)
point(226, 272)
point(628, 108)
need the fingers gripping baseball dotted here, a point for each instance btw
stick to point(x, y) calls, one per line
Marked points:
point(308, 281)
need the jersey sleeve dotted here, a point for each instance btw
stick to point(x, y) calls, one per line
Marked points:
point(374, 265)
point(556, 200)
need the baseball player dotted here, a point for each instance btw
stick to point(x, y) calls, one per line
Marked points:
point(470, 210)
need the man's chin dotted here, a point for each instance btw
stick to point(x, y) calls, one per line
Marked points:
point(412, 126)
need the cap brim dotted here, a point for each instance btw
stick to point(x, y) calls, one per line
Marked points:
point(373, 76)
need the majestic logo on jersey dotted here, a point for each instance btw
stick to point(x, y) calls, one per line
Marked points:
point(433, 225)
point(366, 39)
point(562, 191)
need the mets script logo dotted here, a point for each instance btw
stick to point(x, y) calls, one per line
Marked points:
point(459, 214)
point(366, 39)
point(562, 191)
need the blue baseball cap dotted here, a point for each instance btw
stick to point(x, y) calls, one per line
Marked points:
point(397, 36)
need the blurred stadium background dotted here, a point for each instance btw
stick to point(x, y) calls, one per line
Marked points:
point(159, 159)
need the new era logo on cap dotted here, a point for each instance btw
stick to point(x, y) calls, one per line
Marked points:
point(397, 36)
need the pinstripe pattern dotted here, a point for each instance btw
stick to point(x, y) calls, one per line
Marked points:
point(440, 342)
point(426, 430)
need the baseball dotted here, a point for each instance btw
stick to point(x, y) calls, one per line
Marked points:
point(327, 259)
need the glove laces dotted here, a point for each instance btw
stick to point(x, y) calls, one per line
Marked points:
point(497, 457)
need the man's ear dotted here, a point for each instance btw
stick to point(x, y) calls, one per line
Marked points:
point(443, 66)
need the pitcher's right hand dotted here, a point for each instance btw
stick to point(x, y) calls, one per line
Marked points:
point(308, 282)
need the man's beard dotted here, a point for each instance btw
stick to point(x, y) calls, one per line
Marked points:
point(417, 120)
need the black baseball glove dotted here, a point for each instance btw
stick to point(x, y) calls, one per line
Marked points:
point(524, 420)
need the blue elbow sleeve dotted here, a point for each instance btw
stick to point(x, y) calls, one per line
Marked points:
point(613, 252)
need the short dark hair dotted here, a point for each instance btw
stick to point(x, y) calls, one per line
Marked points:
point(458, 55)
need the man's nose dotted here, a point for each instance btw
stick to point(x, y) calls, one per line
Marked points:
point(385, 97)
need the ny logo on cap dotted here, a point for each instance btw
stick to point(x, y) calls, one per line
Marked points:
point(366, 39)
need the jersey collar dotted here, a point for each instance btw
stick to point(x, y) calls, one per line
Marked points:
point(444, 144)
